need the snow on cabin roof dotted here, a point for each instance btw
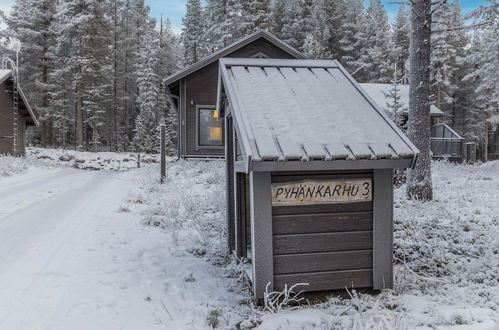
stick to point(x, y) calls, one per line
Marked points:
point(4, 75)
point(306, 110)
point(230, 49)
point(378, 91)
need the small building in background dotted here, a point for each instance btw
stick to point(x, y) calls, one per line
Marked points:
point(446, 143)
point(15, 116)
point(194, 92)
point(310, 160)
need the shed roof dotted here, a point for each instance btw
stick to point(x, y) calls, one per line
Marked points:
point(230, 49)
point(378, 93)
point(307, 110)
point(30, 112)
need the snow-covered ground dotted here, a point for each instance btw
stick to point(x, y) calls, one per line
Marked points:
point(116, 250)
point(90, 161)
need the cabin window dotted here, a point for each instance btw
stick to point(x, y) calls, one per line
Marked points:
point(210, 128)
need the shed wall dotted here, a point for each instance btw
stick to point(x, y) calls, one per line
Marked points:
point(328, 246)
point(6, 121)
point(200, 88)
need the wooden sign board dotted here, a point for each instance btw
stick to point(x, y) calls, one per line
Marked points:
point(311, 192)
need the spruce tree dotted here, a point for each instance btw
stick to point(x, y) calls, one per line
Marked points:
point(192, 31)
point(401, 31)
point(376, 57)
point(146, 137)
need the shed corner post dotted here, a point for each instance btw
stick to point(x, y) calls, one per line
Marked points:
point(261, 233)
point(383, 230)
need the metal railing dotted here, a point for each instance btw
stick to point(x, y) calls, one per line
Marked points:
point(442, 147)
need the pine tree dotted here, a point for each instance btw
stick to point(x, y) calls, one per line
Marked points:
point(256, 15)
point(419, 182)
point(192, 31)
point(353, 38)
point(395, 108)
point(376, 56)
point(150, 100)
point(224, 23)
point(30, 21)
point(279, 13)
point(401, 40)
point(485, 74)
point(298, 22)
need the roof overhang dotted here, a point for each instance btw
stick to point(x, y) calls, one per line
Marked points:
point(250, 163)
point(230, 49)
point(331, 165)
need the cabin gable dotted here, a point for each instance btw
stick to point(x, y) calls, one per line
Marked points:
point(198, 91)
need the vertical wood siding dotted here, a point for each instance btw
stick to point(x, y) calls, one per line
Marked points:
point(201, 89)
point(328, 246)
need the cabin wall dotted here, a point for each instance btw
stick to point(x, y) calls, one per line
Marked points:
point(200, 88)
point(6, 121)
point(329, 246)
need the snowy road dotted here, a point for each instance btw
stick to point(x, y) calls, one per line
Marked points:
point(69, 259)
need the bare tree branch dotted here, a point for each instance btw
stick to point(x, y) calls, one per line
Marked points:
point(463, 27)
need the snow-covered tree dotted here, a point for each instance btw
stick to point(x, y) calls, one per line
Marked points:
point(30, 21)
point(278, 15)
point(256, 15)
point(419, 182)
point(484, 56)
point(148, 101)
point(395, 108)
point(376, 53)
point(224, 23)
point(353, 37)
point(192, 31)
point(401, 31)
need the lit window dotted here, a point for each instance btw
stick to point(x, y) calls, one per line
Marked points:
point(210, 128)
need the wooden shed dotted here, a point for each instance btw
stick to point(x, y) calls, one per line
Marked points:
point(15, 116)
point(310, 161)
point(194, 92)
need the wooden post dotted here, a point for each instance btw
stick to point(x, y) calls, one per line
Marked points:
point(261, 233)
point(383, 230)
point(470, 152)
point(163, 153)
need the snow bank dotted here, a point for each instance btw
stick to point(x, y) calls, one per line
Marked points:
point(90, 161)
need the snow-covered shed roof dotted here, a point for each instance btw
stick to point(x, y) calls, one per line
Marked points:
point(308, 111)
point(7, 74)
point(230, 49)
point(378, 91)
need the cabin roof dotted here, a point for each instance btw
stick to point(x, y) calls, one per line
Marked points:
point(230, 49)
point(307, 110)
point(378, 91)
point(7, 74)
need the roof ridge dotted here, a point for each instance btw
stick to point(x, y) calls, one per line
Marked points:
point(238, 44)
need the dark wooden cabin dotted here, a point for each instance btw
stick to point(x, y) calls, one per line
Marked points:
point(13, 120)
point(194, 92)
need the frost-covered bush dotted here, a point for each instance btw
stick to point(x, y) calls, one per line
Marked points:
point(452, 235)
point(12, 165)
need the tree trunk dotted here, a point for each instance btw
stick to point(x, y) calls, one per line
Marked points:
point(419, 183)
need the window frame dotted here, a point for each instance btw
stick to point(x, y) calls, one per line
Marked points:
point(198, 126)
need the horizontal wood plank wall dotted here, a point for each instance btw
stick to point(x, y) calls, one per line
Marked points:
point(201, 89)
point(328, 246)
point(6, 120)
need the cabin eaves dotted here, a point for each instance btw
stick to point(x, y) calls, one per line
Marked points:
point(230, 49)
point(308, 112)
